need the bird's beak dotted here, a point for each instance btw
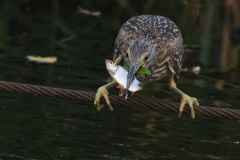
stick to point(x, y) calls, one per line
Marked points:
point(132, 70)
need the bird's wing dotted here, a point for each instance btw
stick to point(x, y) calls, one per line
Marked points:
point(121, 44)
point(164, 32)
point(176, 54)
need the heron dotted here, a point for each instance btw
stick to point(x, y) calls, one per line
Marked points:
point(154, 42)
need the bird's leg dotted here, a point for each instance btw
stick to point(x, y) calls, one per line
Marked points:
point(119, 59)
point(103, 91)
point(185, 98)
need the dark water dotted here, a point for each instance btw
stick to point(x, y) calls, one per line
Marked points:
point(35, 127)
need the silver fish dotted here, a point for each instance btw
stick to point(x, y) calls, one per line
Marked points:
point(119, 74)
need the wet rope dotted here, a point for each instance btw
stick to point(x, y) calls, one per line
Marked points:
point(117, 100)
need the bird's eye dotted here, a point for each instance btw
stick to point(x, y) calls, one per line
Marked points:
point(146, 58)
point(111, 62)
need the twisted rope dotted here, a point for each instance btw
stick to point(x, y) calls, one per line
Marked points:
point(116, 100)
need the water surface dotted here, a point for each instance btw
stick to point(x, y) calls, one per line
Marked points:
point(34, 127)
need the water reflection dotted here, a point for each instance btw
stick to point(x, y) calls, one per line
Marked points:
point(71, 129)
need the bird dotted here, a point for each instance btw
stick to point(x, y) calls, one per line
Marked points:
point(154, 42)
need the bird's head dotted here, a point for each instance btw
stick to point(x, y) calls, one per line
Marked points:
point(141, 52)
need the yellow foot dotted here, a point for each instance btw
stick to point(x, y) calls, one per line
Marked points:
point(102, 91)
point(190, 101)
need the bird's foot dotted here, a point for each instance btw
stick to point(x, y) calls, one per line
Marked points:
point(190, 101)
point(102, 91)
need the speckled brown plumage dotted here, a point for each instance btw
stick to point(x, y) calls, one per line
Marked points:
point(154, 42)
point(157, 35)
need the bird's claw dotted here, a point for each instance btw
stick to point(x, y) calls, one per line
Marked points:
point(190, 101)
point(102, 91)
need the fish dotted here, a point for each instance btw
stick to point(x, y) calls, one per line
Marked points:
point(119, 74)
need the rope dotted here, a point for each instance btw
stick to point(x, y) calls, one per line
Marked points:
point(117, 100)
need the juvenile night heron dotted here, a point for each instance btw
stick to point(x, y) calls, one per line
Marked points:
point(154, 42)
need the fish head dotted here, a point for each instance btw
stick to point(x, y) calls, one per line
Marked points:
point(111, 67)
